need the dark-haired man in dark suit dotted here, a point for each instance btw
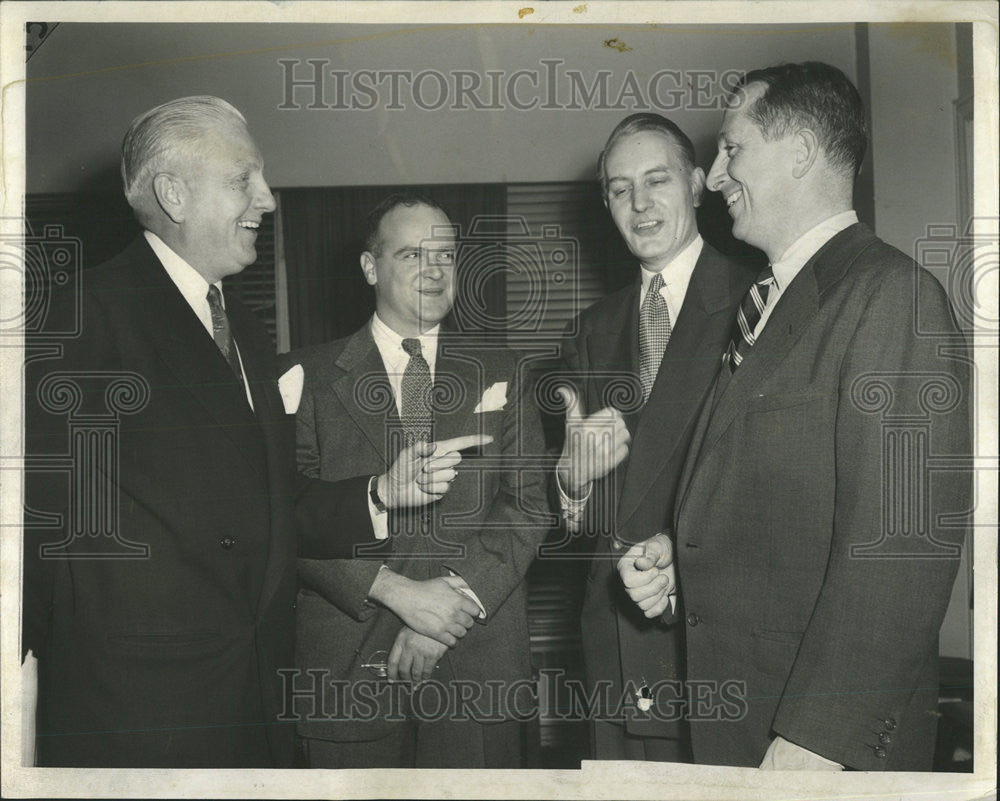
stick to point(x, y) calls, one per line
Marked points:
point(643, 360)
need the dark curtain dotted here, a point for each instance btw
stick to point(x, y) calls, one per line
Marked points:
point(322, 228)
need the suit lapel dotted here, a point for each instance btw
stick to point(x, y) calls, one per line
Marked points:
point(795, 310)
point(457, 389)
point(692, 356)
point(364, 389)
point(192, 356)
point(612, 350)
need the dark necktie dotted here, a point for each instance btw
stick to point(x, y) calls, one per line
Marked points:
point(747, 317)
point(415, 391)
point(220, 331)
point(654, 333)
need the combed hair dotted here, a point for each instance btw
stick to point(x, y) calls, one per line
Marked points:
point(170, 131)
point(376, 215)
point(645, 121)
point(812, 95)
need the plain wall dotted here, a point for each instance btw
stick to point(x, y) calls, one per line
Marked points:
point(92, 79)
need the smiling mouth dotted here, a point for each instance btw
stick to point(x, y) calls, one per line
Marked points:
point(731, 200)
point(249, 225)
point(647, 226)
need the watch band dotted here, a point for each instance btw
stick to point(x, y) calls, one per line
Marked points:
point(373, 494)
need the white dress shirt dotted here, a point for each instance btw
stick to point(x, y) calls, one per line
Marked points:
point(194, 288)
point(395, 359)
point(798, 253)
point(676, 277)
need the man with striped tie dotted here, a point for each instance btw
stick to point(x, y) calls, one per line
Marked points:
point(641, 361)
point(815, 557)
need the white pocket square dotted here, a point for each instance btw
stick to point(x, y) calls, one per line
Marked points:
point(290, 387)
point(493, 400)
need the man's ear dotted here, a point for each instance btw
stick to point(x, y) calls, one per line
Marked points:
point(171, 195)
point(806, 149)
point(697, 180)
point(368, 268)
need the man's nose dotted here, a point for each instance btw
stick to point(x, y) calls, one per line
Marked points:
point(717, 175)
point(432, 267)
point(263, 199)
point(641, 199)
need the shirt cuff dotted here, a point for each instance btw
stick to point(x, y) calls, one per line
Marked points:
point(466, 590)
point(572, 508)
point(380, 520)
point(783, 754)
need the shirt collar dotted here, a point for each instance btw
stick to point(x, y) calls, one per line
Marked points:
point(188, 280)
point(677, 273)
point(390, 344)
point(806, 246)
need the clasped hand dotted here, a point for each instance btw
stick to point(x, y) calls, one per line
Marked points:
point(433, 607)
point(413, 656)
point(647, 571)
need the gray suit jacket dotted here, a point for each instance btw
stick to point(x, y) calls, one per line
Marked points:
point(486, 529)
point(815, 558)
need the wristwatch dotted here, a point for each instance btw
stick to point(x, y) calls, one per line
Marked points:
point(373, 495)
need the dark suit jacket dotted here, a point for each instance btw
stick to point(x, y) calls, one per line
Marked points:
point(791, 482)
point(490, 522)
point(169, 659)
point(621, 645)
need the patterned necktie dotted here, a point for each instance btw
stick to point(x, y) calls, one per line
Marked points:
point(220, 330)
point(415, 403)
point(654, 333)
point(747, 317)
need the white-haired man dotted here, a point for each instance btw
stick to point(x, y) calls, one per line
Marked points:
point(170, 658)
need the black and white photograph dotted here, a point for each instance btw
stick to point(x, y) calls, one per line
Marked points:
point(494, 400)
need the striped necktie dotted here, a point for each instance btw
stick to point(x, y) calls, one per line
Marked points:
point(654, 333)
point(747, 317)
point(415, 390)
point(221, 333)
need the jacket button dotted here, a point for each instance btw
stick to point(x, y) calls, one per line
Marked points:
point(884, 738)
point(889, 724)
point(693, 619)
point(880, 752)
point(227, 543)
